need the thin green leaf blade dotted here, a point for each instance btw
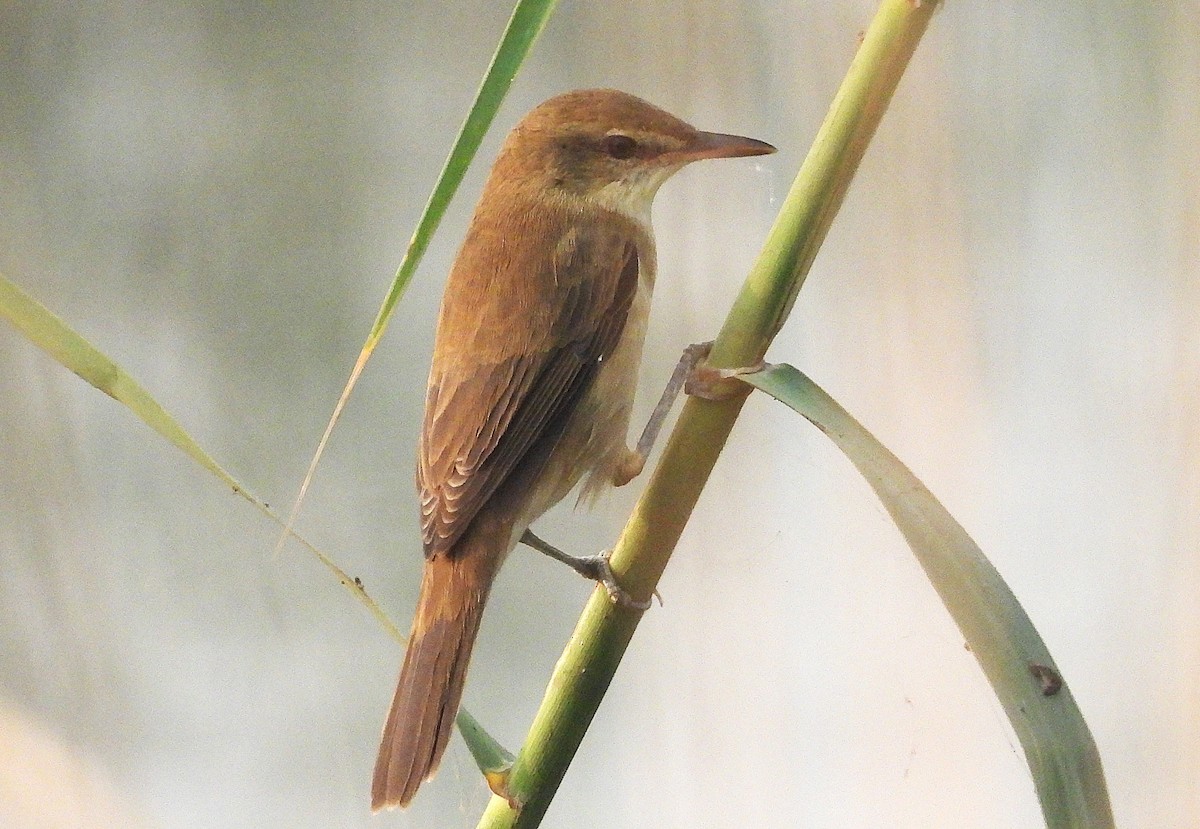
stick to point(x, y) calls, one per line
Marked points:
point(528, 19)
point(1059, 748)
point(49, 333)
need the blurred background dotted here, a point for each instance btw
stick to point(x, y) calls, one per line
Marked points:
point(218, 197)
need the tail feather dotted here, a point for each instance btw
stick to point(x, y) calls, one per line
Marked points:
point(421, 718)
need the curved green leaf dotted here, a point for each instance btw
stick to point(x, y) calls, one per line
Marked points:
point(1058, 745)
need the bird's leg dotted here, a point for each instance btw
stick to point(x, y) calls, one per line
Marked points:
point(635, 459)
point(595, 568)
point(694, 378)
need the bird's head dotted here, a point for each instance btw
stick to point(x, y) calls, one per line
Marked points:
point(609, 148)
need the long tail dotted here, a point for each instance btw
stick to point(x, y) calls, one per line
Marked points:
point(453, 593)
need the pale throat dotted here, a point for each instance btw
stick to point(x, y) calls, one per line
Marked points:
point(633, 196)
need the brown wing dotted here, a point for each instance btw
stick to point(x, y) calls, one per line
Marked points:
point(492, 397)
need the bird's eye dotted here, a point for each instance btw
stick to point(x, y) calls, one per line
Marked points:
point(619, 146)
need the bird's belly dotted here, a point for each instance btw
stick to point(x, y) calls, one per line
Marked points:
point(594, 441)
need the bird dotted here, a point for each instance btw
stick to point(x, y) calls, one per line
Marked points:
point(536, 356)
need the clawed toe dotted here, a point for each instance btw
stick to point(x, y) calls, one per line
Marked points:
point(616, 594)
point(720, 383)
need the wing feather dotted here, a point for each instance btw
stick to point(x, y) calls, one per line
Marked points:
point(483, 417)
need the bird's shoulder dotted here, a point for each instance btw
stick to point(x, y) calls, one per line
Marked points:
point(538, 271)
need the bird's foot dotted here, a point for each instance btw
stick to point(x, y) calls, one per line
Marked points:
point(595, 568)
point(710, 383)
point(598, 569)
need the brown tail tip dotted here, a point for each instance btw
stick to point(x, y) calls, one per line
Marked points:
point(427, 697)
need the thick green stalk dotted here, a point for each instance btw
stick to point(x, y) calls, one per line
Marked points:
point(591, 657)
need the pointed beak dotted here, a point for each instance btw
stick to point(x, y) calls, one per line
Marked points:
point(716, 145)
